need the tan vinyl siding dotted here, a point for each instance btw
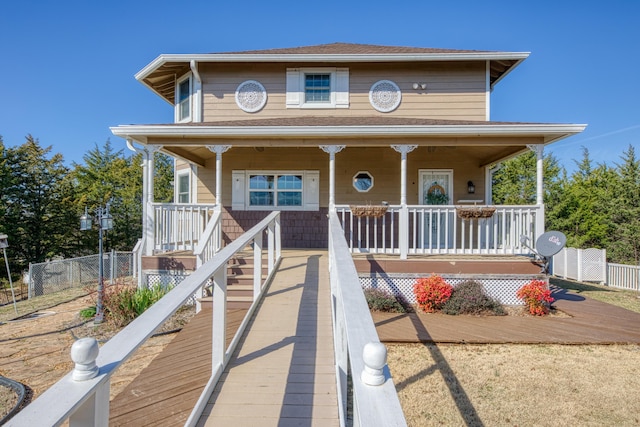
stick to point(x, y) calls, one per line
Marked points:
point(383, 163)
point(454, 91)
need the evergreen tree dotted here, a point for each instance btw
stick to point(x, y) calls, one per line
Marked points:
point(33, 197)
point(107, 176)
point(626, 215)
point(515, 182)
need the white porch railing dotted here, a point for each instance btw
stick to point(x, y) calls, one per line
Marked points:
point(86, 402)
point(179, 226)
point(439, 230)
point(210, 241)
point(358, 350)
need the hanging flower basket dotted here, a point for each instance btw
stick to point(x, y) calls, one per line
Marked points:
point(475, 212)
point(375, 211)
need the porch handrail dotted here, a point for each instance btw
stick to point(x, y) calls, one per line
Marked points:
point(354, 337)
point(178, 226)
point(438, 229)
point(210, 241)
point(87, 402)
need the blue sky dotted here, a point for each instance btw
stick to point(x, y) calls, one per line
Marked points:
point(68, 66)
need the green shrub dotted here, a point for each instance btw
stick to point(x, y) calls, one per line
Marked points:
point(123, 303)
point(469, 298)
point(380, 300)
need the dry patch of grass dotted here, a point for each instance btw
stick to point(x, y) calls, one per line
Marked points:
point(620, 297)
point(43, 302)
point(517, 384)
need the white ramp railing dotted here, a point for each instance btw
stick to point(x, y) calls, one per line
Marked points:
point(373, 395)
point(82, 396)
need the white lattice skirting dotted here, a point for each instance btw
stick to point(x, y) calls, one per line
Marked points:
point(502, 288)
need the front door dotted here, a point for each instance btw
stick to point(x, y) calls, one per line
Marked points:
point(436, 188)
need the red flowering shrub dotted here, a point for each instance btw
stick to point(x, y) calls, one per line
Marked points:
point(431, 292)
point(537, 296)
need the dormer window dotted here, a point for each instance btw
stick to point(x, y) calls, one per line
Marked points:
point(183, 99)
point(322, 87)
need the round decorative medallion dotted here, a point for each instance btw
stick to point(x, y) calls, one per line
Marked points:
point(251, 96)
point(385, 96)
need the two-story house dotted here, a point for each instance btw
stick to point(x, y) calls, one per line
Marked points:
point(398, 140)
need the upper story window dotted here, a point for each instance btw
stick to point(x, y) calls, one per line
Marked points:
point(183, 99)
point(318, 87)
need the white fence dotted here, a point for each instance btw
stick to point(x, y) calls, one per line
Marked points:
point(82, 396)
point(590, 265)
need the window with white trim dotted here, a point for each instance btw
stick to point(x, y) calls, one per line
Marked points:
point(184, 91)
point(317, 87)
point(183, 187)
point(275, 190)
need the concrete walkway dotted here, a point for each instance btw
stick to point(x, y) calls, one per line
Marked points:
point(283, 373)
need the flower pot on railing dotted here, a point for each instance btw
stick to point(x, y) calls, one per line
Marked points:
point(475, 212)
point(374, 211)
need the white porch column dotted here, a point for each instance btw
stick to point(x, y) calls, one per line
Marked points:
point(332, 150)
point(219, 150)
point(147, 193)
point(539, 150)
point(403, 237)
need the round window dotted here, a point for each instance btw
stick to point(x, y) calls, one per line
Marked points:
point(363, 181)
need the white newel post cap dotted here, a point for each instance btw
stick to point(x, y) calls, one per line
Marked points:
point(374, 356)
point(84, 353)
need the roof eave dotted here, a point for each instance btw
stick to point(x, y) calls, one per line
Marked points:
point(551, 132)
point(394, 57)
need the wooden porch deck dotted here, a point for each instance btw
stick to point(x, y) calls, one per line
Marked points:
point(588, 322)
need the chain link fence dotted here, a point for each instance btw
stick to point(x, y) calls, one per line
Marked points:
point(54, 276)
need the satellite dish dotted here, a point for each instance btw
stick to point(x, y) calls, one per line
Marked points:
point(550, 243)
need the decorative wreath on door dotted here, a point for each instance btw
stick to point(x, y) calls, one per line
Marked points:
point(436, 195)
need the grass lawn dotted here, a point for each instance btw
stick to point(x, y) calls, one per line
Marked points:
point(522, 385)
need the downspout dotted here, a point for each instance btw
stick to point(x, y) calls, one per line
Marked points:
point(198, 90)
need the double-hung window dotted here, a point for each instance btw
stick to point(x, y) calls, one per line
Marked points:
point(275, 190)
point(183, 99)
point(317, 88)
point(183, 190)
point(322, 87)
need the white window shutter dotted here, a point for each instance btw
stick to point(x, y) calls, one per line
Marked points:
point(238, 190)
point(342, 88)
point(311, 190)
point(293, 88)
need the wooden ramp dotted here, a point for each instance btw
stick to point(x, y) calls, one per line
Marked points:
point(283, 373)
point(166, 391)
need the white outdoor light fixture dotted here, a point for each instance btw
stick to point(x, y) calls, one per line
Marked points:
point(4, 244)
point(105, 222)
